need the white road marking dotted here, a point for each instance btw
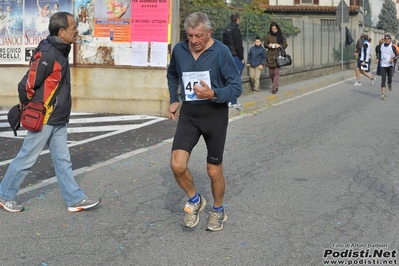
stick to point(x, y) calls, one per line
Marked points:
point(94, 119)
point(114, 130)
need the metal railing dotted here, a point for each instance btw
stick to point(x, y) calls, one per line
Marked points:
point(309, 43)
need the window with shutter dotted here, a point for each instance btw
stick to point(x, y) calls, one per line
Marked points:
point(297, 2)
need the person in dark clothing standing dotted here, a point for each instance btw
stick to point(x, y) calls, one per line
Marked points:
point(232, 38)
point(48, 81)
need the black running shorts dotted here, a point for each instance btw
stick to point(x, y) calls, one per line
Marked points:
point(207, 120)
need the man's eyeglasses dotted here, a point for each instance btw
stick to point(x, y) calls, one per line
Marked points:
point(387, 38)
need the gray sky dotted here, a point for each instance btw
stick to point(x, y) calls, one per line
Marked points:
point(376, 6)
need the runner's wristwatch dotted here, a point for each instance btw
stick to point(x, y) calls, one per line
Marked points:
point(215, 97)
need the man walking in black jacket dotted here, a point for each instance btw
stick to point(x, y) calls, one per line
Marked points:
point(232, 38)
point(48, 82)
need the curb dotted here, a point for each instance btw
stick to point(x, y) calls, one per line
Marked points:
point(265, 99)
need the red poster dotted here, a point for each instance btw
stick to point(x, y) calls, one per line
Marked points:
point(149, 20)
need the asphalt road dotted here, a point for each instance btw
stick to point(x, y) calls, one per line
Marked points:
point(92, 139)
point(309, 180)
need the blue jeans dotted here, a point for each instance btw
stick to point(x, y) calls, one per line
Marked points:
point(56, 139)
point(240, 67)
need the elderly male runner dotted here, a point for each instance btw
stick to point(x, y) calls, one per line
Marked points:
point(208, 78)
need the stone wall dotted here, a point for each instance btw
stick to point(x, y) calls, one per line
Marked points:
point(137, 91)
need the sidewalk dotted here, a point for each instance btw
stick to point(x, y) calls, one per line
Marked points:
point(264, 98)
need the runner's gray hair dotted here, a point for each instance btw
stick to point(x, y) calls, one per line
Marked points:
point(195, 19)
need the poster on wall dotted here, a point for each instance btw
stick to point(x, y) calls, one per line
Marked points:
point(105, 30)
point(36, 21)
point(84, 15)
point(23, 24)
point(112, 20)
point(37, 17)
point(158, 54)
point(150, 19)
point(11, 32)
point(150, 24)
point(96, 53)
point(140, 51)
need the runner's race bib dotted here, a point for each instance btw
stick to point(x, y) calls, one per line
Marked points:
point(190, 79)
point(386, 61)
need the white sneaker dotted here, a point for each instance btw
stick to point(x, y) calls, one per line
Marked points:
point(372, 80)
point(357, 84)
point(84, 204)
point(11, 206)
point(235, 105)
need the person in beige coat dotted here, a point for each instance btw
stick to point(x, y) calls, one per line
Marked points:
point(274, 39)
